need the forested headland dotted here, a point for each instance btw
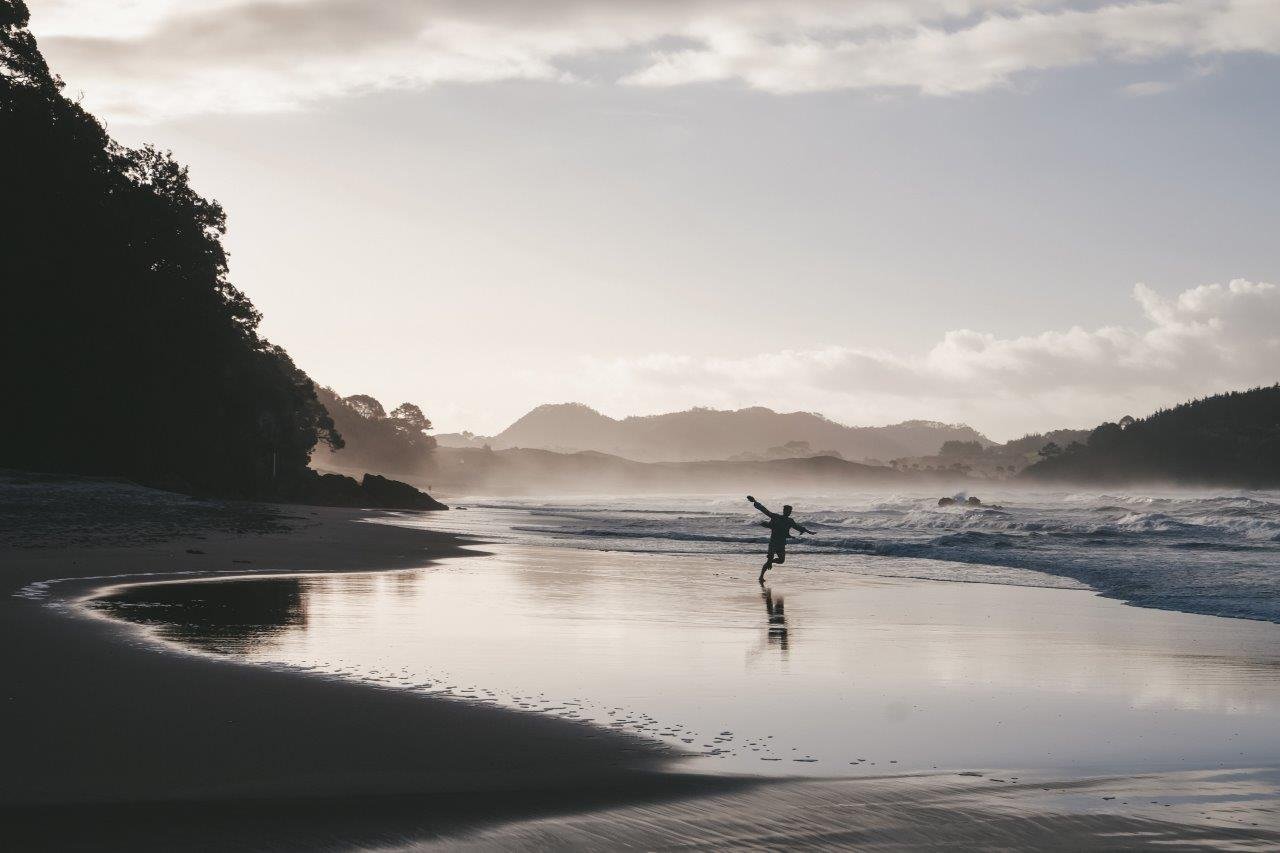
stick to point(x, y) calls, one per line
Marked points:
point(1230, 439)
point(131, 353)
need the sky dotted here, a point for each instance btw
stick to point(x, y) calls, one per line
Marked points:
point(1017, 214)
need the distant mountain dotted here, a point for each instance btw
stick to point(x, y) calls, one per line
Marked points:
point(710, 434)
point(517, 471)
point(1224, 440)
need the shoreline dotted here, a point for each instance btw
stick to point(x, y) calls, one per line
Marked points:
point(100, 724)
point(119, 742)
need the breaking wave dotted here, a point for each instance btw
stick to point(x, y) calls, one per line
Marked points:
point(1215, 554)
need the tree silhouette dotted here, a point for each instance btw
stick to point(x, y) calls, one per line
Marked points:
point(396, 444)
point(366, 406)
point(1228, 439)
point(1050, 450)
point(138, 356)
point(412, 418)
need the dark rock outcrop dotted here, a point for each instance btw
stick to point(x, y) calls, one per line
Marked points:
point(373, 491)
point(395, 494)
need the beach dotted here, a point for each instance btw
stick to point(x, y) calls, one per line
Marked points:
point(409, 688)
point(639, 426)
point(114, 743)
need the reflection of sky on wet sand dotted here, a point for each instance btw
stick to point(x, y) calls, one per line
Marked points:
point(864, 675)
point(213, 616)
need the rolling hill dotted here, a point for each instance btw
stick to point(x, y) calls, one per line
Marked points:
point(525, 471)
point(710, 434)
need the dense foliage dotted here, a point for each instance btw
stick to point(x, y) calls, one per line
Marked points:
point(131, 352)
point(961, 448)
point(1228, 439)
point(375, 440)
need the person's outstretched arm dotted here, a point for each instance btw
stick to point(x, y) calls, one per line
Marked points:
point(755, 503)
point(803, 529)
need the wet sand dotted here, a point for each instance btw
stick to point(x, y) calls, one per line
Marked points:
point(818, 673)
point(907, 813)
point(915, 712)
point(114, 741)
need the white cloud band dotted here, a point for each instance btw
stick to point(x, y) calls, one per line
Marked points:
point(157, 58)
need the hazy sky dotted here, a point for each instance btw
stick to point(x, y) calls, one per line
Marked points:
point(1021, 214)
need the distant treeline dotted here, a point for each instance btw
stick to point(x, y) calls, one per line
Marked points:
point(1228, 439)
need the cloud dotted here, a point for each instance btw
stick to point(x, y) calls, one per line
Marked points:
point(1147, 88)
point(151, 59)
point(1206, 339)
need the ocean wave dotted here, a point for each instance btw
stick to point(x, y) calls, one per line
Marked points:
point(1206, 553)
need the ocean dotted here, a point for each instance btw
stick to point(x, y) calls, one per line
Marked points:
point(1198, 552)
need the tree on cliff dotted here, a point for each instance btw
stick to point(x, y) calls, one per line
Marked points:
point(395, 444)
point(411, 419)
point(132, 352)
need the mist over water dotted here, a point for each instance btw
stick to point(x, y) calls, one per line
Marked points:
point(1210, 553)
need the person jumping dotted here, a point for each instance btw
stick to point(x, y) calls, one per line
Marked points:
point(780, 527)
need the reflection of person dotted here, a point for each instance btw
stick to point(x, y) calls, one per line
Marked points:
point(780, 526)
point(777, 618)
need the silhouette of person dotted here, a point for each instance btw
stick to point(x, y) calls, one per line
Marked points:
point(780, 526)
